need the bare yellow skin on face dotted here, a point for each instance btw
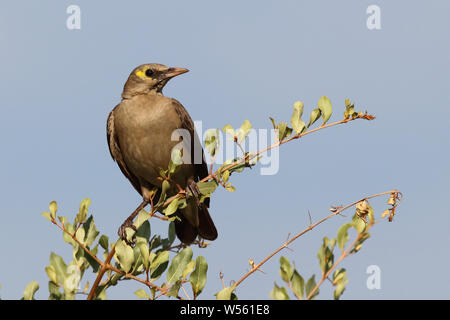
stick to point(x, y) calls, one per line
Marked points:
point(141, 73)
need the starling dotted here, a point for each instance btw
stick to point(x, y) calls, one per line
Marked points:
point(139, 133)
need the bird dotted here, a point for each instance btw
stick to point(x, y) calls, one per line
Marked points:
point(139, 135)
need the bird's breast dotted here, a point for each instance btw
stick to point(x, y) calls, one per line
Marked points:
point(144, 129)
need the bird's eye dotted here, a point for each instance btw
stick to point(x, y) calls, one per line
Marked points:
point(149, 72)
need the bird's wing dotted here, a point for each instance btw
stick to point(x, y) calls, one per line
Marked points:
point(116, 154)
point(201, 169)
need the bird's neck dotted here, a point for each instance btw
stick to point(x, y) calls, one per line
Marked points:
point(128, 94)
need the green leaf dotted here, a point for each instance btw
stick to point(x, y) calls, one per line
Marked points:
point(324, 105)
point(339, 275)
point(298, 284)
point(82, 213)
point(90, 231)
point(279, 293)
point(173, 291)
point(349, 112)
point(59, 266)
point(359, 243)
point(171, 232)
point(189, 268)
point(340, 281)
point(315, 114)
point(228, 129)
point(296, 120)
point(53, 208)
point(63, 219)
point(159, 264)
point(325, 254)
point(141, 294)
point(30, 290)
point(175, 160)
point(348, 103)
point(145, 253)
point(225, 293)
point(212, 141)
point(310, 285)
point(359, 224)
point(244, 130)
point(178, 264)
point(226, 176)
point(207, 187)
point(172, 207)
point(125, 255)
point(66, 237)
point(142, 217)
point(47, 215)
point(143, 232)
point(342, 235)
point(53, 289)
point(103, 241)
point(285, 269)
point(273, 123)
point(340, 288)
point(72, 281)
point(283, 131)
point(80, 235)
point(230, 188)
point(92, 262)
point(198, 277)
point(165, 186)
point(51, 273)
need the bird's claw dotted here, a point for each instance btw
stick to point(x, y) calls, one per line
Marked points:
point(123, 232)
point(192, 190)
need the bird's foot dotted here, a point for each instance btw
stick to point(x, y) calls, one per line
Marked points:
point(126, 236)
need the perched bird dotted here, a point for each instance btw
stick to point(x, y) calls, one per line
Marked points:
point(139, 133)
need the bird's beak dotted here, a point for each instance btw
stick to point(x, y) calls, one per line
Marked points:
point(173, 72)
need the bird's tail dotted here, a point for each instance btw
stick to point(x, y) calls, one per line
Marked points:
point(206, 228)
point(195, 220)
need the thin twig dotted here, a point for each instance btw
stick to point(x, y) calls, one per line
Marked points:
point(312, 226)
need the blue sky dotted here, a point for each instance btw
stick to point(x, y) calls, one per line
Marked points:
point(248, 60)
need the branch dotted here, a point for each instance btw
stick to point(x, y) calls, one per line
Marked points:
point(342, 257)
point(312, 226)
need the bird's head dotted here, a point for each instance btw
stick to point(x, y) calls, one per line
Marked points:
point(149, 77)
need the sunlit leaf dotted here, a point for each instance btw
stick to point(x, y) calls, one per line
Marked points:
point(53, 208)
point(172, 207)
point(342, 235)
point(178, 264)
point(159, 264)
point(285, 269)
point(244, 130)
point(141, 294)
point(279, 293)
point(30, 290)
point(325, 107)
point(298, 283)
point(125, 255)
point(310, 285)
point(59, 266)
point(198, 276)
point(212, 141)
point(228, 129)
point(225, 293)
point(296, 122)
point(315, 114)
point(82, 213)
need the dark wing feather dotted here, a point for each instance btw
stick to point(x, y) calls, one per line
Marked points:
point(206, 229)
point(116, 154)
point(200, 169)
